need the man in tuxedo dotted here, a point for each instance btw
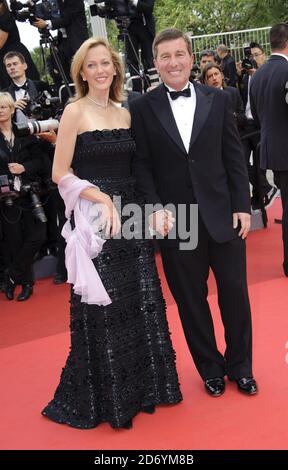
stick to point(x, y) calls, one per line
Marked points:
point(189, 152)
point(141, 32)
point(22, 89)
point(72, 30)
point(269, 106)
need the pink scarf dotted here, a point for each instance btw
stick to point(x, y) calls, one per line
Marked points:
point(82, 243)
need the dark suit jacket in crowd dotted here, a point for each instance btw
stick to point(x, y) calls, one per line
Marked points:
point(228, 66)
point(144, 12)
point(73, 19)
point(269, 108)
point(214, 171)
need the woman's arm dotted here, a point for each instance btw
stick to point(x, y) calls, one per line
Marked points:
point(3, 38)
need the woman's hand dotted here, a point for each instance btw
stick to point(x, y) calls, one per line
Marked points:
point(108, 216)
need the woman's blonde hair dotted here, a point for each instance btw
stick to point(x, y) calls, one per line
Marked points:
point(6, 99)
point(116, 90)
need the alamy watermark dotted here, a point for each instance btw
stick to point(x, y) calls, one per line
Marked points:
point(135, 222)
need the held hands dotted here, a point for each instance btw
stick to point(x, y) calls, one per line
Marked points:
point(161, 221)
point(245, 222)
point(49, 136)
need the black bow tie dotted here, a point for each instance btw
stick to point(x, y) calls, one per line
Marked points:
point(18, 88)
point(175, 94)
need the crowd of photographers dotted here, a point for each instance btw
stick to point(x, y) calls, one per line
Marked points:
point(31, 210)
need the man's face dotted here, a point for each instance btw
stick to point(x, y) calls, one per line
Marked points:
point(206, 59)
point(258, 56)
point(15, 68)
point(174, 63)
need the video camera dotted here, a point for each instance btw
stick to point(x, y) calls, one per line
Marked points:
point(248, 62)
point(112, 9)
point(8, 195)
point(44, 9)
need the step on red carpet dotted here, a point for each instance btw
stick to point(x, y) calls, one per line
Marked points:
point(34, 341)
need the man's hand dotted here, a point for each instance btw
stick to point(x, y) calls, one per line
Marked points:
point(21, 104)
point(161, 221)
point(16, 168)
point(39, 23)
point(49, 136)
point(245, 222)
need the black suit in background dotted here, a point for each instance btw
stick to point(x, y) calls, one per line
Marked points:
point(270, 110)
point(250, 128)
point(214, 175)
point(141, 33)
point(229, 70)
point(73, 19)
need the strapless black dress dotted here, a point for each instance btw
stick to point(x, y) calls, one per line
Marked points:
point(121, 358)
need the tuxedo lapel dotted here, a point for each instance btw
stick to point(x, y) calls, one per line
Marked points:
point(162, 109)
point(203, 107)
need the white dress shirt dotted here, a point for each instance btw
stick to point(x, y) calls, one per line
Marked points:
point(183, 109)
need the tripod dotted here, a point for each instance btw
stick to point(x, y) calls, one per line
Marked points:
point(47, 39)
point(124, 36)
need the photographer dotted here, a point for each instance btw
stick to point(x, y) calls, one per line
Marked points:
point(23, 90)
point(21, 215)
point(72, 30)
point(142, 32)
point(250, 132)
point(10, 40)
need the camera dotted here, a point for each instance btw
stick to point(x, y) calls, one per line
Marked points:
point(8, 195)
point(44, 106)
point(112, 9)
point(45, 9)
point(248, 62)
point(35, 127)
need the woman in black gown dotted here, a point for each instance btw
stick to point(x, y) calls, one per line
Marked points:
point(10, 41)
point(121, 360)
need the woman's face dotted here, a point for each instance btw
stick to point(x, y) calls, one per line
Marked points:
point(214, 78)
point(98, 69)
point(6, 113)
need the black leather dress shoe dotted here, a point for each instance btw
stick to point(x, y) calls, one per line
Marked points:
point(215, 387)
point(10, 286)
point(59, 279)
point(247, 385)
point(27, 290)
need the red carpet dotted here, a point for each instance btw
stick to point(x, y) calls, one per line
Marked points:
point(35, 342)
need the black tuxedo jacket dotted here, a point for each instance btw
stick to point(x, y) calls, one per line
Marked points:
point(73, 19)
point(269, 108)
point(214, 171)
point(34, 87)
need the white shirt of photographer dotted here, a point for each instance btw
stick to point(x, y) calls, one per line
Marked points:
point(183, 109)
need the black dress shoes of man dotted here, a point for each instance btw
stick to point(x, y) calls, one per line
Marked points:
point(247, 385)
point(27, 290)
point(10, 286)
point(215, 387)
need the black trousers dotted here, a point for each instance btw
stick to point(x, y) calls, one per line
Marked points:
point(140, 37)
point(23, 236)
point(187, 273)
point(257, 176)
point(281, 180)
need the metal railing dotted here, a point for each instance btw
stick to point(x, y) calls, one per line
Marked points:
point(234, 40)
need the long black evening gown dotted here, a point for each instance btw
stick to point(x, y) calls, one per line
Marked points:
point(121, 356)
